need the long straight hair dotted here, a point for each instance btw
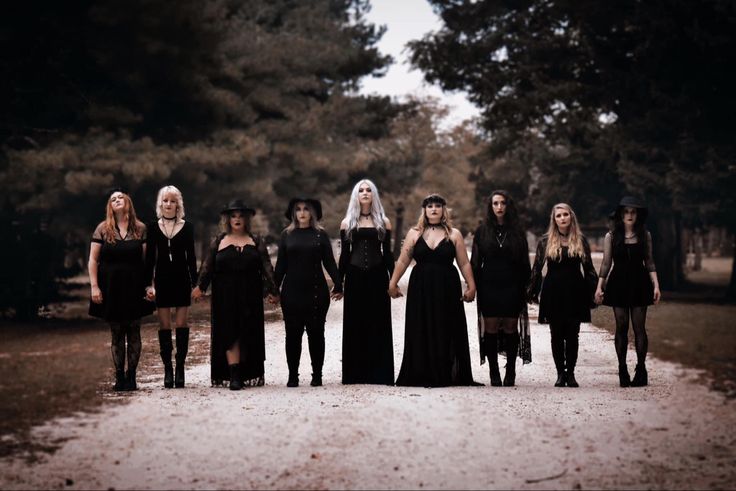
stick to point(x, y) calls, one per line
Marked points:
point(377, 213)
point(618, 230)
point(554, 238)
point(111, 224)
point(179, 202)
point(313, 223)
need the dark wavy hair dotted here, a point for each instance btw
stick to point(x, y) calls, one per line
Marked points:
point(618, 233)
point(516, 236)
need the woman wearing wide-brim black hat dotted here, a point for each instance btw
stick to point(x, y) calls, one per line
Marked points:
point(303, 249)
point(239, 268)
point(628, 283)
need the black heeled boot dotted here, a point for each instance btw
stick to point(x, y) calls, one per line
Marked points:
point(316, 380)
point(235, 382)
point(624, 379)
point(120, 383)
point(512, 348)
point(293, 379)
point(558, 354)
point(641, 378)
point(182, 347)
point(491, 348)
point(164, 341)
point(571, 358)
point(570, 376)
point(130, 383)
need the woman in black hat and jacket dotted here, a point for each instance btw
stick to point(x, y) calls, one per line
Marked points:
point(239, 268)
point(303, 249)
point(631, 285)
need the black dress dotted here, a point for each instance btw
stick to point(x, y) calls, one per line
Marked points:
point(567, 289)
point(121, 278)
point(436, 352)
point(175, 265)
point(304, 294)
point(366, 262)
point(240, 278)
point(629, 283)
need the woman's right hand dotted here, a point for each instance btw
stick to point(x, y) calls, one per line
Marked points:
point(598, 295)
point(394, 291)
point(196, 294)
point(96, 294)
point(150, 293)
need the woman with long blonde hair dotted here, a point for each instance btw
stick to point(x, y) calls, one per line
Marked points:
point(436, 351)
point(567, 289)
point(117, 283)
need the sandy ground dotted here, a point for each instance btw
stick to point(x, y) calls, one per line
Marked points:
point(673, 434)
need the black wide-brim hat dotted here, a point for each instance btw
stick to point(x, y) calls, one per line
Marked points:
point(238, 205)
point(632, 202)
point(315, 204)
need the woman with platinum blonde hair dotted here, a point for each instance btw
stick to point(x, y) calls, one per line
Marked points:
point(171, 273)
point(567, 289)
point(366, 263)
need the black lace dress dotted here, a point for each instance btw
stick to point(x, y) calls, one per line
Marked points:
point(240, 278)
point(121, 278)
point(629, 283)
point(567, 289)
point(174, 263)
point(436, 351)
point(366, 263)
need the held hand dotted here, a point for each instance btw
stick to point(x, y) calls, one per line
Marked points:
point(336, 295)
point(469, 295)
point(96, 294)
point(532, 299)
point(273, 299)
point(196, 294)
point(657, 295)
point(598, 298)
point(394, 292)
point(150, 293)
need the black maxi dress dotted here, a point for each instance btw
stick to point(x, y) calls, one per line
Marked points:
point(366, 263)
point(436, 351)
point(174, 263)
point(121, 278)
point(240, 278)
point(629, 283)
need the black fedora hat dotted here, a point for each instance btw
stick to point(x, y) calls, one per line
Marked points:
point(631, 202)
point(238, 205)
point(315, 204)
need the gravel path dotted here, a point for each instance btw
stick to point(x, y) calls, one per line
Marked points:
point(673, 434)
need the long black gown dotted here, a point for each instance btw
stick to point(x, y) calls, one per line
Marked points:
point(366, 263)
point(240, 279)
point(436, 352)
point(174, 263)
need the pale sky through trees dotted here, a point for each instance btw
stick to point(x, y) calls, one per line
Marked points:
point(407, 20)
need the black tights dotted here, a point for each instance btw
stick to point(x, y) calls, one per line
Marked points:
point(638, 316)
point(316, 338)
point(564, 337)
point(120, 331)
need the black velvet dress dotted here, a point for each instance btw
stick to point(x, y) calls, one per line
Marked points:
point(304, 293)
point(121, 278)
point(436, 352)
point(629, 283)
point(366, 263)
point(174, 263)
point(240, 279)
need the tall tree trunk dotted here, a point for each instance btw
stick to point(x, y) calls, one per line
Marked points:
point(667, 237)
point(731, 292)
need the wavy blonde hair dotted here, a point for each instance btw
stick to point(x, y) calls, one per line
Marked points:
point(111, 222)
point(554, 238)
point(179, 201)
point(445, 221)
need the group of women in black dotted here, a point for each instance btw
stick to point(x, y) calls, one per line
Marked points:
point(135, 268)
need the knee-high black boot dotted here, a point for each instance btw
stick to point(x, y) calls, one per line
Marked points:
point(316, 339)
point(558, 354)
point(294, 333)
point(166, 348)
point(571, 354)
point(182, 347)
point(512, 349)
point(490, 346)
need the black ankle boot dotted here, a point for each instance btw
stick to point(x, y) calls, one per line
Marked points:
point(624, 379)
point(561, 378)
point(130, 380)
point(641, 378)
point(235, 382)
point(570, 376)
point(293, 380)
point(512, 347)
point(164, 341)
point(182, 346)
point(316, 379)
point(491, 350)
point(120, 383)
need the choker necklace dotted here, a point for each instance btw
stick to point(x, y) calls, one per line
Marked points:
point(365, 215)
point(173, 219)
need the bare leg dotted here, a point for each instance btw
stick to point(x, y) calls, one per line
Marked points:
point(233, 354)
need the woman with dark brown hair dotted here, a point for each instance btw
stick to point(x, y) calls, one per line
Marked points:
point(239, 268)
point(117, 281)
point(501, 269)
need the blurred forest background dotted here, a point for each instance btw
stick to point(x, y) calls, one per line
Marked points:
point(581, 102)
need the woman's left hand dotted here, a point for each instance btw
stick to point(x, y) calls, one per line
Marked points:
point(336, 295)
point(469, 295)
point(273, 299)
point(657, 295)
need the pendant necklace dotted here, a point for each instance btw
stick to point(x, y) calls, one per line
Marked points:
point(502, 240)
point(168, 237)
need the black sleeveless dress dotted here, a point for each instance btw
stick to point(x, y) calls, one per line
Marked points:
point(629, 284)
point(436, 352)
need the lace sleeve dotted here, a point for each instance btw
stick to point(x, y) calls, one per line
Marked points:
point(328, 259)
point(208, 266)
point(591, 277)
point(344, 261)
point(607, 256)
point(98, 235)
point(649, 259)
point(535, 282)
point(476, 261)
point(269, 286)
point(282, 262)
point(525, 267)
point(388, 254)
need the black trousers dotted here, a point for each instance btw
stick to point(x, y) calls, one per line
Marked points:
point(564, 337)
point(295, 328)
